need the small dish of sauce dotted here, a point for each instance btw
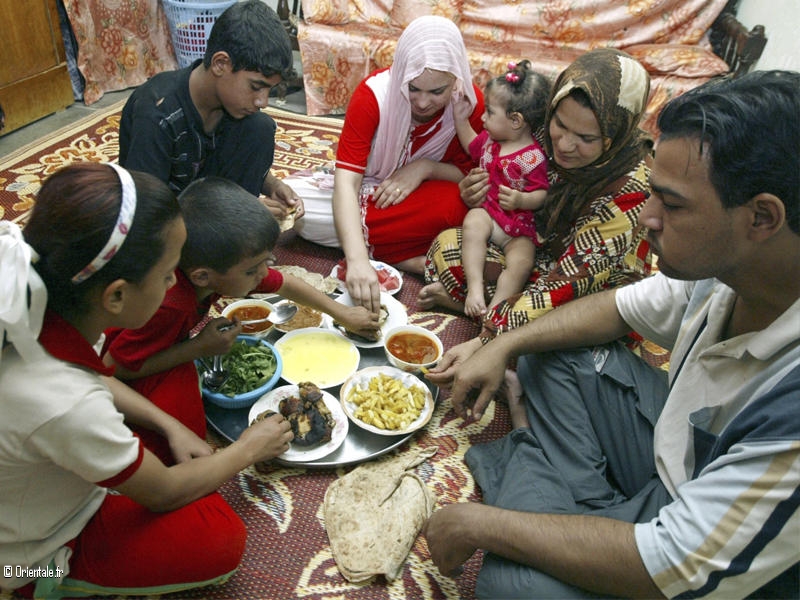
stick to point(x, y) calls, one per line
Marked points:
point(413, 348)
point(250, 309)
point(251, 313)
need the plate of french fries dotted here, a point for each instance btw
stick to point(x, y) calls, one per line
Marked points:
point(386, 400)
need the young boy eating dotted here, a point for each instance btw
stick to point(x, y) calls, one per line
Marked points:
point(230, 236)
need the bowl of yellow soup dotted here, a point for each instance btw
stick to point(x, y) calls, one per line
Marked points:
point(317, 354)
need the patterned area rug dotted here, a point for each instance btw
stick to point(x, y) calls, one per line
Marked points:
point(288, 554)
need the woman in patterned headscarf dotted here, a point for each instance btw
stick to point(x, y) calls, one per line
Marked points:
point(398, 161)
point(600, 183)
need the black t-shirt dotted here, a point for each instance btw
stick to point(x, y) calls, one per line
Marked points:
point(161, 133)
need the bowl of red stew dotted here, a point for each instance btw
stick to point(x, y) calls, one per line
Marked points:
point(250, 309)
point(412, 348)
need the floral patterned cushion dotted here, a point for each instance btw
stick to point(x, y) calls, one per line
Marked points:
point(120, 44)
point(587, 24)
point(678, 59)
point(490, 57)
point(674, 69)
point(375, 12)
point(336, 59)
point(326, 12)
point(405, 11)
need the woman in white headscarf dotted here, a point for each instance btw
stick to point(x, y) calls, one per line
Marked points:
point(398, 160)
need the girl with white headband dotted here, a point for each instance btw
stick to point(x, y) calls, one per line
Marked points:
point(99, 251)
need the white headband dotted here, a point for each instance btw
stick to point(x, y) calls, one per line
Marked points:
point(20, 322)
point(121, 228)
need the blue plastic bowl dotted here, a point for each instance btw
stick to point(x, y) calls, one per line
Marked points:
point(249, 398)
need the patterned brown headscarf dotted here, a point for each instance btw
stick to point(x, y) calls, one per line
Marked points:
point(617, 87)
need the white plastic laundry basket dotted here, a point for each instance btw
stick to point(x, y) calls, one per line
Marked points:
point(190, 23)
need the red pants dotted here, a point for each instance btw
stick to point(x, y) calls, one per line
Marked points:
point(126, 548)
point(177, 393)
point(406, 230)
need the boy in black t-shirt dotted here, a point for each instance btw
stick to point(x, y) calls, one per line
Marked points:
point(206, 119)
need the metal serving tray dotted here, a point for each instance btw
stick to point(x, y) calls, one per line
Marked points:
point(359, 445)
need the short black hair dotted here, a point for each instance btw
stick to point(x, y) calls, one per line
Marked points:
point(225, 224)
point(750, 128)
point(253, 36)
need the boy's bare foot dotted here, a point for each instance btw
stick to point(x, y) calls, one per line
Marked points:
point(516, 402)
point(434, 294)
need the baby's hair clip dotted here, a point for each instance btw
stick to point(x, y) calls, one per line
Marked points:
point(512, 77)
point(512, 65)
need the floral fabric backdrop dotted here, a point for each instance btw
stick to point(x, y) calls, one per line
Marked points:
point(121, 43)
point(342, 41)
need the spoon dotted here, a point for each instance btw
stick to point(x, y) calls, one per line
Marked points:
point(279, 314)
point(216, 376)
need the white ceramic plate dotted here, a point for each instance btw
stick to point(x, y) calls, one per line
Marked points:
point(323, 356)
point(361, 379)
point(398, 315)
point(271, 401)
point(381, 267)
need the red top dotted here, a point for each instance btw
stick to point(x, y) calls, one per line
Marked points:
point(172, 323)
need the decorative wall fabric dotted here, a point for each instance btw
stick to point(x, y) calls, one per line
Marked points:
point(121, 43)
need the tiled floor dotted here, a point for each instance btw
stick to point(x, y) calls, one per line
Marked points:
point(18, 138)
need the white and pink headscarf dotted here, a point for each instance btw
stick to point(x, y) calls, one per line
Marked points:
point(429, 42)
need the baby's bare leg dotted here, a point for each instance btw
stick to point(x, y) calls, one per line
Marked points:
point(520, 256)
point(477, 231)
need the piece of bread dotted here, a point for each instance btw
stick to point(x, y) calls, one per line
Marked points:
point(304, 317)
point(374, 513)
point(288, 221)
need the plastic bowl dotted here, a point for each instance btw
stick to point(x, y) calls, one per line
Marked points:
point(249, 398)
point(403, 363)
point(259, 329)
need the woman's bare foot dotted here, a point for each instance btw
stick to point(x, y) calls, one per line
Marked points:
point(516, 403)
point(434, 294)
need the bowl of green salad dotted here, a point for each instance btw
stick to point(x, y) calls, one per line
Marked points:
point(254, 367)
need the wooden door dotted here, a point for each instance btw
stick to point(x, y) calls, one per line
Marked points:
point(34, 80)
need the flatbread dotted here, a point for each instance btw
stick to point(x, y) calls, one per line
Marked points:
point(383, 316)
point(374, 513)
point(288, 221)
point(326, 285)
point(304, 317)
